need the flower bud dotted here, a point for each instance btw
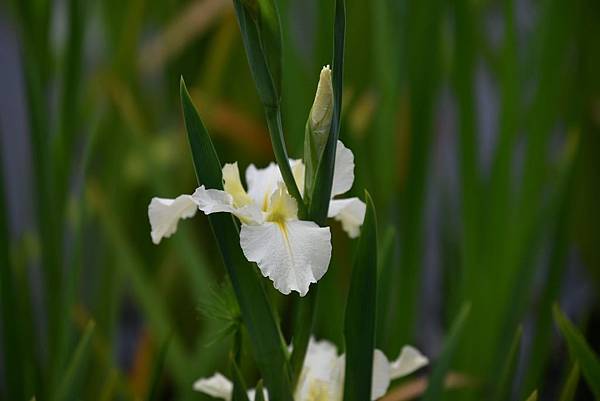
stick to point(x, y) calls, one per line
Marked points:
point(321, 112)
point(317, 129)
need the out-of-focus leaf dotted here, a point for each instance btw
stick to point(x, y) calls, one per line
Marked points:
point(568, 391)
point(580, 351)
point(442, 366)
point(260, 394)
point(533, 396)
point(385, 285)
point(359, 325)
point(504, 385)
point(257, 313)
point(9, 306)
point(75, 366)
point(240, 393)
point(157, 370)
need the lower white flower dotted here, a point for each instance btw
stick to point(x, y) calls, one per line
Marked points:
point(322, 376)
point(293, 253)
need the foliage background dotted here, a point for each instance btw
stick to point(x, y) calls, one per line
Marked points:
point(474, 125)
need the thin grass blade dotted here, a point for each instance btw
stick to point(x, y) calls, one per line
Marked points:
point(504, 386)
point(580, 351)
point(570, 387)
point(359, 326)
point(436, 382)
point(157, 370)
point(240, 392)
point(75, 365)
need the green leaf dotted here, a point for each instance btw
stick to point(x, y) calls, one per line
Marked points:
point(268, 91)
point(441, 368)
point(257, 312)
point(533, 396)
point(9, 306)
point(568, 391)
point(269, 30)
point(75, 365)
point(240, 393)
point(260, 392)
point(359, 326)
point(504, 385)
point(157, 370)
point(580, 351)
point(322, 187)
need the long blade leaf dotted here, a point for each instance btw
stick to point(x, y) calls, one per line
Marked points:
point(359, 330)
point(580, 351)
point(257, 312)
point(436, 383)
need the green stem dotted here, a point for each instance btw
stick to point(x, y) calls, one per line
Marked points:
point(276, 131)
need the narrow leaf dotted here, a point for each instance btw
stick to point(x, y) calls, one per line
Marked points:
point(533, 396)
point(504, 386)
point(265, 86)
point(260, 392)
point(359, 330)
point(157, 370)
point(436, 382)
point(568, 391)
point(257, 313)
point(580, 351)
point(240, 393)
point(76, 363)
point(9, 306)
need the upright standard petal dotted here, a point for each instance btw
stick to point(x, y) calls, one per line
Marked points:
point(381, 375)
point(217, 386)
point(232, 184)
point(164, 214)
point(322, 374)
point(262, 182)
point(343, 173)
point(350, 212)
point(292, 254)
point(409, 360)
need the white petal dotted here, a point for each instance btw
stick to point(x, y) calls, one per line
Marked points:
point(217, 201)
point(350, 212)
point(252, 394)
point(232, 184)
point(164, 214)
point(292, 254)
point(216, 386)
point(409, 360)
point(322, 373)
point(381, 375)
point(343, 173)
point(262, 183)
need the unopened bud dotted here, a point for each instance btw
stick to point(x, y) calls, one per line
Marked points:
point(321, 112)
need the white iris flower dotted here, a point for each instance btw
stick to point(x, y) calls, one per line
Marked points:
point(322, 376)
point(293, 253)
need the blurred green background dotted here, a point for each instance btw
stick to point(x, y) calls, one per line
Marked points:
point(475, 126)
